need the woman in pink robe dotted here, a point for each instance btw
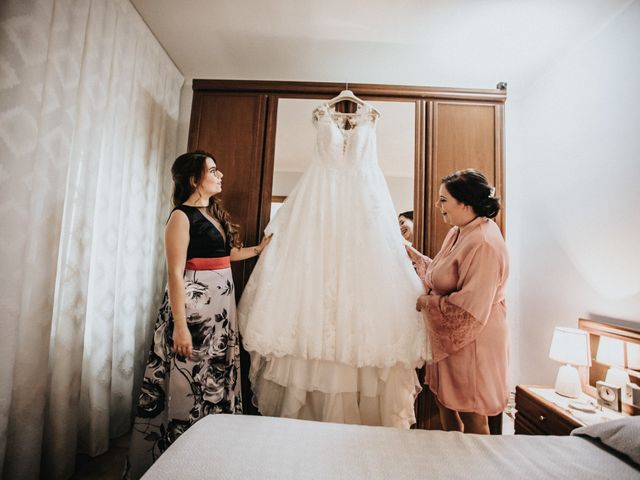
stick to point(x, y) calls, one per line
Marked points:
point(464, 308)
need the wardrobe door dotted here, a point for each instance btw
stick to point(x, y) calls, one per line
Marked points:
point(231, 127)
point(461, 135)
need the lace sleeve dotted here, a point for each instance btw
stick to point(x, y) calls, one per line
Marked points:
point(421, 266)
point(449, 327)
point(421, 269)
point(318, 112)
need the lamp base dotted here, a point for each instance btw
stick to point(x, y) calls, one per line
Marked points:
point(568, 382)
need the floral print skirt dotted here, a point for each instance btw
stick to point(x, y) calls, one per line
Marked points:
point(176, 391)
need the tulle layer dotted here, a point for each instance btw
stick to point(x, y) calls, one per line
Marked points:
point(335, 283)
point(332, 392)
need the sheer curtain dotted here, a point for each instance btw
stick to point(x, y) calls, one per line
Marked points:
point(88, 124)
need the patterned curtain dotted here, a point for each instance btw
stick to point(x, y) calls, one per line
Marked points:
point(88, 125)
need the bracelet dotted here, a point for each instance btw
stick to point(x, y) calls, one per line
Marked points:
point(256, 251)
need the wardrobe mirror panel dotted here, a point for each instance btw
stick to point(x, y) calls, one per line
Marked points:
point(296, 137)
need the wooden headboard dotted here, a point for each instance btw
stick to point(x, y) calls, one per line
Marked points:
point(598, 371)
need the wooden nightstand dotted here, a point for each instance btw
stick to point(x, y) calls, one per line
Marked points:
point(536, 415)
point(541, 411)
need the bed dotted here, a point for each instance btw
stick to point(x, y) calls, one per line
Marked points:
point(229, 447)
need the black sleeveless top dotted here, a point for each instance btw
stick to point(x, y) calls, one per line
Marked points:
point(205, 240)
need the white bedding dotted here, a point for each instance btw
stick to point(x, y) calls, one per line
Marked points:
point(249, 447)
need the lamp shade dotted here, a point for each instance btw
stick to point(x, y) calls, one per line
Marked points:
point(571, 346)
point(610, 352)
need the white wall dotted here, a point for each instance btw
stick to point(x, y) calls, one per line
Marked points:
point(186, 97)
point(573, 183)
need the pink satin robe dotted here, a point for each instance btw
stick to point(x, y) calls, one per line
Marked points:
point(466, 319)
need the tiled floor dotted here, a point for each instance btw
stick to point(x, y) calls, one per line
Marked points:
point(108, 466)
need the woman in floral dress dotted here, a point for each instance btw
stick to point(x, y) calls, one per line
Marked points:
point(194, 363)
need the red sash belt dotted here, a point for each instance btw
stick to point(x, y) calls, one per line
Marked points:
point(219, 263)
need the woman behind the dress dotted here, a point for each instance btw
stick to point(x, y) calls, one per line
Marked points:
point(464, 308)
point(194, 364)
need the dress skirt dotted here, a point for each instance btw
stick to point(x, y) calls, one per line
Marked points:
point(177, 392)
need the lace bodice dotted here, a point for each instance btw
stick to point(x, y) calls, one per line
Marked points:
point(345, 139)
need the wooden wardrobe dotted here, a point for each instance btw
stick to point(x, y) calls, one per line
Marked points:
point(235, 120)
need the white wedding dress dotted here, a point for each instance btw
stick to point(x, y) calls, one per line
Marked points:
point(328, 315)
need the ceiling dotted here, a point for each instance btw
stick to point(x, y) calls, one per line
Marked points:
point(454, 43)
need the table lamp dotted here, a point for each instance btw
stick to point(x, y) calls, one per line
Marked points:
point(611, 352)
point(571, 347)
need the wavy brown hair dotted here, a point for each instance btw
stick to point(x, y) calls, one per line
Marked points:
point(193, 165)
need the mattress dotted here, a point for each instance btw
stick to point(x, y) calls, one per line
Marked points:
point(250, 447)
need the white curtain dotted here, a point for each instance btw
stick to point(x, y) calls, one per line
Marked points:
point(88, 124)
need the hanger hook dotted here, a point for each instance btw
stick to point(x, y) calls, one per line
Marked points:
point(346, 85)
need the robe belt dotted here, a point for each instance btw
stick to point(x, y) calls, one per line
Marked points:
point(218, 263)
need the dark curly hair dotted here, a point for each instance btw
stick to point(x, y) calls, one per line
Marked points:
point(192, 165)
point(471, 187)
